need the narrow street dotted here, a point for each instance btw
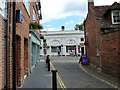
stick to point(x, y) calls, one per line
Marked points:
point(72, 75)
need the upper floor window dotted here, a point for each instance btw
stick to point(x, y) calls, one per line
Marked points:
point(116, 17)
point(34, 16)
point(27, 5)
point(3, 9)
point(82, 39)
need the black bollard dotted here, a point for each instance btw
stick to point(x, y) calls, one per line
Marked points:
point(54, 80)
point(47, 58)
point(48, 64)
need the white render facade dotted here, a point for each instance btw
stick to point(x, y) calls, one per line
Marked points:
point(67, 42)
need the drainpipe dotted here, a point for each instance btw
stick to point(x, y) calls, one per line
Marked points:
point(7, 46)
point(14, 45)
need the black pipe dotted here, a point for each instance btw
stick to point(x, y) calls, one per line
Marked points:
point(7, 47)
point(54, 80)
point(14, 45)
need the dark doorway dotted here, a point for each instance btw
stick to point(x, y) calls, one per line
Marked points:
point(18, 60)
point(25, 56)
point(82, 50)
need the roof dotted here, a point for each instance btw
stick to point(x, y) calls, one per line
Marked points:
point(99, 13)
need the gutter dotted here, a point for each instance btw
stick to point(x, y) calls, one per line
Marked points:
point(7, 47)
point(14, 47)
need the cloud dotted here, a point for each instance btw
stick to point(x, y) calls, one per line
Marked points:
point(48, 25)
point(105, 2)
point(57, 9)
point(51, 29)
point(70, 22)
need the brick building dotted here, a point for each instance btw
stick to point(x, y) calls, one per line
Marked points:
point(102, 36)
point(27, 12)
point(2, 51)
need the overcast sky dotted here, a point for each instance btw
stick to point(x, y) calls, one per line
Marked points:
point(56, 13)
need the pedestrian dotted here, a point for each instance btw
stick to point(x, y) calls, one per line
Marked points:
point(80, 60)
point(58, 52)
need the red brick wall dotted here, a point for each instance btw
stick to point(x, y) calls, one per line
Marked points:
point(22, 31)
point(91, 29)
point(107, 43)
point(109, 52)
point(2, 53)
point(23, 59)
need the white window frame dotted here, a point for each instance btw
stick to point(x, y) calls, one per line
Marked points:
point(27, 6)
point(113, 18)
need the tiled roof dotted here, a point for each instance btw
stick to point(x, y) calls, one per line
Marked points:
point(99, 11)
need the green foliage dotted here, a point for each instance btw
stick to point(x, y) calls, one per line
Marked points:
point(79, 26)
point(35, 26)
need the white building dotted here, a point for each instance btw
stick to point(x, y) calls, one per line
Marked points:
point(67, 42)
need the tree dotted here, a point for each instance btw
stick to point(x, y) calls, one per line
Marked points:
point(79, 26)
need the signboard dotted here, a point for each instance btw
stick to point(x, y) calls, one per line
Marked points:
point(82, 43)
point(61, 45)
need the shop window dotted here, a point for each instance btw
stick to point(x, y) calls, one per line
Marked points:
point(55, 48)
point(70, 48)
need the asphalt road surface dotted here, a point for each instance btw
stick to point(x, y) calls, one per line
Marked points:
point(72, 75)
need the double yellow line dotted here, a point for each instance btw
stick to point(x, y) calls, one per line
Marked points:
point(102, 80)
point(58, 78)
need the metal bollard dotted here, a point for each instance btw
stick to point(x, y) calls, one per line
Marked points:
point(54, 80)
point(48, 64)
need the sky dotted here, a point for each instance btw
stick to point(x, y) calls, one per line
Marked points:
point(68, 13)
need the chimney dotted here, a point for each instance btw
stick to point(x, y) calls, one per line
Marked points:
point(63, 28)
point(90, 3)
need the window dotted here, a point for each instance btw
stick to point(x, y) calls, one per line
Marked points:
point(3, 9)
point(55, 48)
point(97, 51)
point(116, 17)
point(27, 5)
point(82, 39)
point(69, 49)
point(34, 16)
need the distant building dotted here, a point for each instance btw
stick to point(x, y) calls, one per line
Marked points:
point(65, 42)
point(102, 36)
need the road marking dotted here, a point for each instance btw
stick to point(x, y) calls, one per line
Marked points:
point(59, 79)
point(102, 80)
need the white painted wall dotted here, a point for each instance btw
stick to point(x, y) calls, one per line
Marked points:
point(67, 38)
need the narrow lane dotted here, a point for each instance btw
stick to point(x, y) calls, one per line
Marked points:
point(72, 75)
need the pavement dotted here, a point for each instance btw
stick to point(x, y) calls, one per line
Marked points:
point(40, 77)
point(101, 76)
